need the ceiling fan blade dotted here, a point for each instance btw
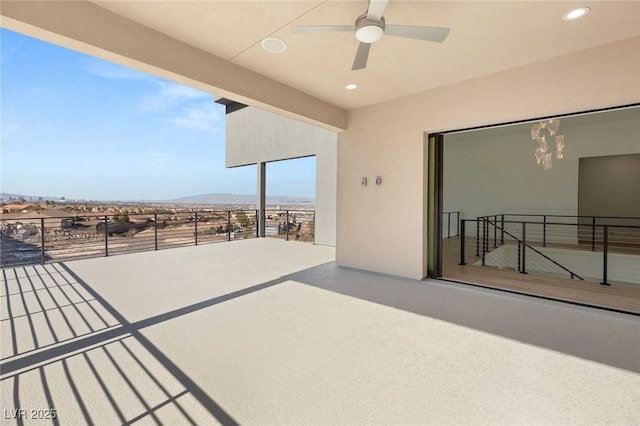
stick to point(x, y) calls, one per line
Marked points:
point(376, 9)
point(323, 28)
point(437, 34)
point(361, 56)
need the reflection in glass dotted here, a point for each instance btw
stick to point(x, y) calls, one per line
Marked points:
point(546, 161)
point(535, 131)
point(543, 144)
point(560, 147)
point(552, 125)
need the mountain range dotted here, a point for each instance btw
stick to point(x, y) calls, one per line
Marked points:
point(216, 198)
point(234, 199)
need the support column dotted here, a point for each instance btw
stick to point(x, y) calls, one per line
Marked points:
point(261, 201)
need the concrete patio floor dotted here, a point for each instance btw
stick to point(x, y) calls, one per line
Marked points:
point(271, 332)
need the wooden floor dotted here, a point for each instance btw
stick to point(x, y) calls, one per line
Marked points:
point(616, 296)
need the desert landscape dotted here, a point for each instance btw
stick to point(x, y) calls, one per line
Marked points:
point(42, 232)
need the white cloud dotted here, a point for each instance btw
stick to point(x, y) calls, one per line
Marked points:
point(178, 91)
point(180, 105)
point(170, 96)
point(204, 116)
point(114, 72)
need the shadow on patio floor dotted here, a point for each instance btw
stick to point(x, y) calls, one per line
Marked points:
point(67, 341)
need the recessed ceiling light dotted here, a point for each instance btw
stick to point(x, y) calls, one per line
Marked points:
point(274, 45)
point(576, 13)
point(351, 86)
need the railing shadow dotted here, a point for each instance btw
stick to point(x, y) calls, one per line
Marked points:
point(53, 307)
point(58, 326)
point(14, 253)
point(116, 370)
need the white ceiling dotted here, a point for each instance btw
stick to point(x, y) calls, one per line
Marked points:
point(485, 37)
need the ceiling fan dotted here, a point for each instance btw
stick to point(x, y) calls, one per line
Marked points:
point(371, 26)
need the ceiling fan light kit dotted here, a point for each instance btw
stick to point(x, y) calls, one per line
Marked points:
point(368, 30)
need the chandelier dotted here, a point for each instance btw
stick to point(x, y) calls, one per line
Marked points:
point(539, 133)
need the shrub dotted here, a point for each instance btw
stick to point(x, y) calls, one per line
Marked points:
point(121, 217)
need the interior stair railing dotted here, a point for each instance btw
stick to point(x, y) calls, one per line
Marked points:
point(487, 222)
point(550, 232)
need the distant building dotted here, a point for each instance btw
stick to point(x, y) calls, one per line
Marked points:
point(17, 208)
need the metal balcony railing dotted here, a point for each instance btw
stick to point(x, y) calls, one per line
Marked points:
point(290, 224)
point(42, 239)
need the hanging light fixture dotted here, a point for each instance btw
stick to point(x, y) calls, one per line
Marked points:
point(539, 132)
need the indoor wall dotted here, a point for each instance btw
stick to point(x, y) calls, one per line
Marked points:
point(494, 171)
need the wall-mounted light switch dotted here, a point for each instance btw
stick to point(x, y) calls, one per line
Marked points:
point(378, 180)
point(363, 181)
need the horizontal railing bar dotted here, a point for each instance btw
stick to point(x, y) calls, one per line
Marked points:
point(555, 223)
point(561, 215)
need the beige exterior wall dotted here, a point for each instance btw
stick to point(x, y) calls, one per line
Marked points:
point(382, 228)
point(254, 135)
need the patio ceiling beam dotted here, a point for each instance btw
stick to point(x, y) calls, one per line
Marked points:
point(89, 28)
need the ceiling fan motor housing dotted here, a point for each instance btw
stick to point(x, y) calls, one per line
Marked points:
point(369, 30)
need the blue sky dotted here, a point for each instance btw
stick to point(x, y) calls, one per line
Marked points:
point(79, 127)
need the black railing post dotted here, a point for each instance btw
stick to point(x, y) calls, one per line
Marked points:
point(461, 233)
point(484, 239)
point(287, 227)
point(477, 237)
point(155, 231)
point(502, 230)
point(448, 224)
point(605, 252)
point(519, 255)
point(523, 269)
point(42, 249)
point(495, 231)
point(228, 225)
point(593, 233)
point(106, 237)
point(196, 231)
point(544, 231)
point(486, 234)
point(257, 224)
point(457, 221)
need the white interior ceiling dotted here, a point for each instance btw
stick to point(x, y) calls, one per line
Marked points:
point(485, 37)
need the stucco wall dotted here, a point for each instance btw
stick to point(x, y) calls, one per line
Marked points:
point(254, 135)
point(382, 228)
